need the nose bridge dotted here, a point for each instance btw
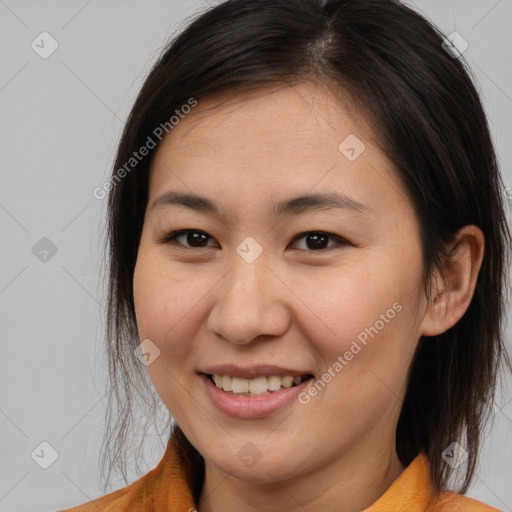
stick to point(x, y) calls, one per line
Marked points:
point(246, 281)
point(248, 303)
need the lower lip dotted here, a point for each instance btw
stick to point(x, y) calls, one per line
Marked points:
point(249, 407)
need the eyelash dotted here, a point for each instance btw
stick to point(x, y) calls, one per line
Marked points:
point(171, 237)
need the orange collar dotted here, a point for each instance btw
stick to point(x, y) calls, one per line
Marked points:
point(411, 491)
point(166, 489)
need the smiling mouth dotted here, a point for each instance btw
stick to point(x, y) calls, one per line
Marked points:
point(259, 386)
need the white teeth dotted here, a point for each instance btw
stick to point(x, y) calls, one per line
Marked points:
point(287, 381)
point(256, 386)
point(274, 382)
point(226, 383)
point(239, 385)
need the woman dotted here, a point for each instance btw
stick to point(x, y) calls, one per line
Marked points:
point(308, 255)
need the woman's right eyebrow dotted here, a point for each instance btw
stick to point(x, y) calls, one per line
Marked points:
point(293, 206)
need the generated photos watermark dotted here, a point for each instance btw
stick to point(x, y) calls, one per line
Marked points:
point(343, 360)
point(137, 156)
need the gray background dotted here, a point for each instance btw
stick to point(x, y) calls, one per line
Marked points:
point(61, 118)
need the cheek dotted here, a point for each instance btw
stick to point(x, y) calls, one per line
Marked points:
point(365, 315)
point(366, 351)
point(165, 302)
point(166, 309)
point(170, 302)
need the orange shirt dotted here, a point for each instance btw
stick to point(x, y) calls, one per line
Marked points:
point(165, 489)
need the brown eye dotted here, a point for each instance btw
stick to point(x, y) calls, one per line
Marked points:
point(318, 240)
point(189, 238)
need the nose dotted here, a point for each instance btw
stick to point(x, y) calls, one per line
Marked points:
point(250, 302)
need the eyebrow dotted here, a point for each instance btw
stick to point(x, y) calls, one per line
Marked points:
point(294, 206)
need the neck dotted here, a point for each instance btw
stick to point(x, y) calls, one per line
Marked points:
point(353, 481)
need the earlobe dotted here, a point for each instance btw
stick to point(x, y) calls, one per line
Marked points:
point(435, 316)
point(456, 284)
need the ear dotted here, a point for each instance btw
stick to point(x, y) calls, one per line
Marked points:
point(456, 284)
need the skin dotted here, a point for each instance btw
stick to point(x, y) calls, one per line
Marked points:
point(294, 306)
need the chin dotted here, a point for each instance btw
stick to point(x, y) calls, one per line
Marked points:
point(254, 466)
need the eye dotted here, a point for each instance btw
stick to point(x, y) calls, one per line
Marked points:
point(316, 240)
point(196, 239)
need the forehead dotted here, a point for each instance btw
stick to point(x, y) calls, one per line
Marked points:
point(266, 141)
point(285, 114)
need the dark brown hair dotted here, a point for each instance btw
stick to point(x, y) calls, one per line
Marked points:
point(428, 118)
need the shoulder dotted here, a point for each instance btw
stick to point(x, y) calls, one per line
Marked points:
point(136, 497)
point(449, 501)
point(104, 503)
point(163, 487)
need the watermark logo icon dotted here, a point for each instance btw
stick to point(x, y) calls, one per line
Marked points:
point(249, 249)
point(249, 454)
point(455, 44)
point(44, 250)
point(147, 352)
point(44, 45)
point(44, 455)
point(351, 147)
point(454, 455)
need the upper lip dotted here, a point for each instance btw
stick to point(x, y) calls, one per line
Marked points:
point(252, 372)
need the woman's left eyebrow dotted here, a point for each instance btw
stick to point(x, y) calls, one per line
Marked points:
point(293, 206)
point(321, 201)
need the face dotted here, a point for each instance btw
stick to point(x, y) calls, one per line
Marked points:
point(327, 286)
